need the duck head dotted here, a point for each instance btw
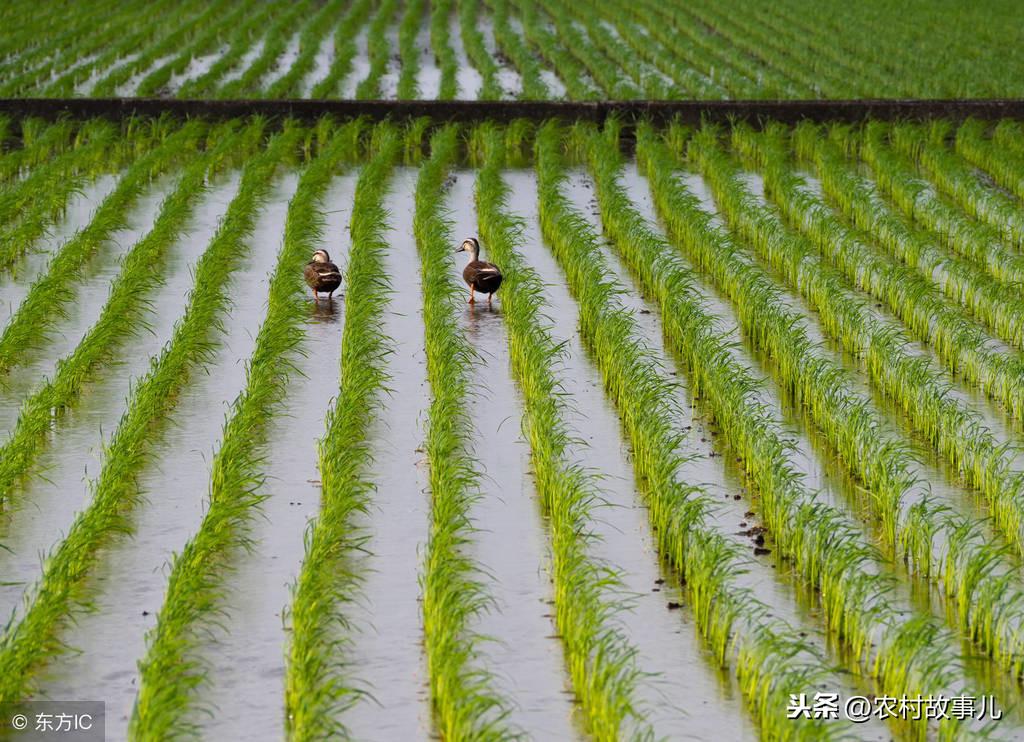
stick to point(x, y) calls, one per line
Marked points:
point(470, 245)
point(321, 256)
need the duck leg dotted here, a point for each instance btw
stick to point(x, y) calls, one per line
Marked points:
point(489, 297)
point(472, 299)
point(316, 296)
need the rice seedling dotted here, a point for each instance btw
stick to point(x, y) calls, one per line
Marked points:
point(344, 48)
point(408, 52)
point(171, 673)
point(319, 683)
point(601, 660)
point(826, 549)
point(39, 143)
point(949, 550)
point(998, 157)
point(379, 50)
point(476, 50)
point(572, 73)
point(32, 321)
point(440, 41)
point(454, 590)
point(735, 624)
point(32, 638)
point(511, 44)
point(311, 37)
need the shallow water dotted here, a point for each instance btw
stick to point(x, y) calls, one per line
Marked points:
point(389, 80)
point(197, 67)
point(321, 66)
point(282, 64)
point(467, 77)
point(508, 77)
point(428, 80)
point(251, 55)
point(387, 647)
point(131, 85)
point(360, 67)
point(513, 543)
point(85, 87)
point(130, 582)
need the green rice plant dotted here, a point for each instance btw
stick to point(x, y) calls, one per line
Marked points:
point(34, 318)
point(1008, 136)
point(243, 36)
point(955, 177)
point(274, 45)
point(319, 685)
point(379, 50)
point(408, 51)
point(289, 85)
point(952, 551)
point(168, 43)
point(990, 299)
point(155, 81)
point(454, 589)
point(602, 662)
point(1003, 162)
point(898, 178)
point(440, 41)
point(476, 50)
point(770, 662)
point(511, 44)
point(344, 48)
point(33, 637)
point(39, 142)
point(573, 74)
point(827, 550)
point(29, 207)
point(171, 674)
point(122, 316)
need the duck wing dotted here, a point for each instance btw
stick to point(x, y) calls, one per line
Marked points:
point(322, 276)
point(484, 277)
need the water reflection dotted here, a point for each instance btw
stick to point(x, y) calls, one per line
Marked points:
point(324, 311)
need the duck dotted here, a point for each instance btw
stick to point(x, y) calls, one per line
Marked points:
point(479, 275)
point(322, 275)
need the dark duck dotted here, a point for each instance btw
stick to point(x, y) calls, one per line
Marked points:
point(479, 275)
point(322, 275)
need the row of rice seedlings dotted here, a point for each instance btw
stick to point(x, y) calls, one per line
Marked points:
point(602, 661)
point(344, 48)
point(989, 299)
point(572, 73)
point(955, 177)
point(687, 81)
point(408, 50)
point(1003, 163)
point(713, 58)
point(955, 431)
point(476, 50)
point(275, 42)
point(171, 674)
point(318, 687)
point(1008, 136)
point(898, 178)
point(169, 42)
point(30, 206)
point(156, 80)
point(378, 49)
point(34, 318)
point(938, 544)
point(827, 550)
point(512, 45)
point(122, 316)
point(454, 592)
point(613, 80)
point(32, 638)
point(243, 36)
point(440, 42)
point(768, 658)
point(289, 85)
point(40, 142)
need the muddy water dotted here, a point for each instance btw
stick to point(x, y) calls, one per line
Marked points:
point(387, 645)
point(283, 63)
point(129, 585)
point(197, 67)
point(321, 66)
point(360, 67)
point(428, 80)
point(83, 307)
point(712, 465)
point(466, 75)
point(512, 545)
point(247, 688)
point(508, 78)
point(688, 697)
point(45, 507)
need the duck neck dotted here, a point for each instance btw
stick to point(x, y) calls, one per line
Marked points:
point(474, 254)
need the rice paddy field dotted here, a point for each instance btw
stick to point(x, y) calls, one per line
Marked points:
point(735, 453)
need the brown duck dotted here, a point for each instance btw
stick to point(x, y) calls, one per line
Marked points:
point(322, 275)
point(480, 276)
